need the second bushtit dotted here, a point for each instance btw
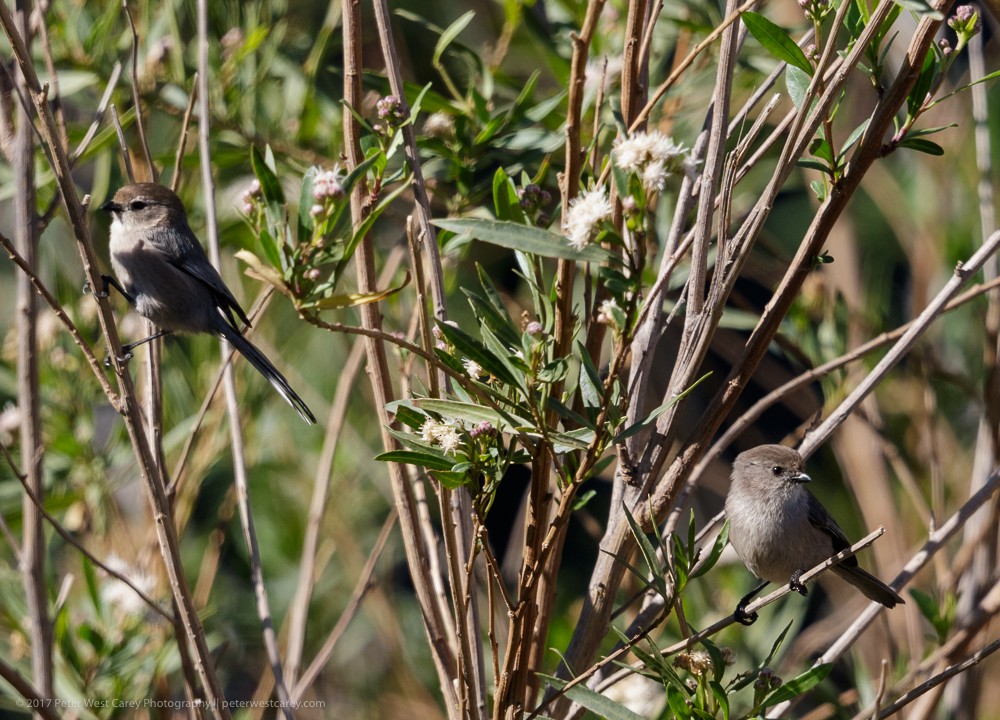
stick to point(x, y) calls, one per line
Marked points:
point(780, 530)
point(164, 273)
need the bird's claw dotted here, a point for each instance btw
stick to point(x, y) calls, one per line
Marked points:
point(88, 289)
point(796, 585)
point(743, 617)
point(122, 359)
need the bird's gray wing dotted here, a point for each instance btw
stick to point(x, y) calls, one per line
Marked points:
point(190, 258)
point(820, 519)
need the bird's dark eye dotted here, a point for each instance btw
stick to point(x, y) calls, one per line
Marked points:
point(777, 470)
point(136, 205)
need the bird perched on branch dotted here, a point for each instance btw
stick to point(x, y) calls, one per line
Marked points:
point(780, 530)
point(164, 273)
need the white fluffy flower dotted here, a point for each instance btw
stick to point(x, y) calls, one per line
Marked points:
point(121, 597)
point(608, 313)
point(654, 176)
point(442, 434)
point(650, 155)
point(440, 125)
point(474, 369)
point(449, 439)
point(586, 213)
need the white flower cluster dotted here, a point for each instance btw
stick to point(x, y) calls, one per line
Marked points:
point(442, 434)
point(586, 213)
point(651, 156)
point(116, 594)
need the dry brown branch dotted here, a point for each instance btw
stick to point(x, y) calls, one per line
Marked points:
point(229, 383)
point(417, 552)
point(361, 589)
point(32, 444)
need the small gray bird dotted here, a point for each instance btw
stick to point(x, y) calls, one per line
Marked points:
point(164, 273)
point(780, 530)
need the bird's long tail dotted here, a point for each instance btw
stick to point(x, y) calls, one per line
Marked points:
point(265, 368)
point(870, 586)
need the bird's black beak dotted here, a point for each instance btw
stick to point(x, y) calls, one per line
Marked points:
point(800, 478)
point(111, 206)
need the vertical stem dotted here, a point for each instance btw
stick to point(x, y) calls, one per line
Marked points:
point(232, 403)
point(417, 552)
point(32, 448)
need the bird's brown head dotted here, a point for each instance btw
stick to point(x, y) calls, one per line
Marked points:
point(769, 465)
point(146, 205)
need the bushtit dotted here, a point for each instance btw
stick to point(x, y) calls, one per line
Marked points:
point(164, 273)
point(780, 530)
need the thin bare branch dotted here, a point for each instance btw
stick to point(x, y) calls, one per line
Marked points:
point(229, 382)
point(361, 589)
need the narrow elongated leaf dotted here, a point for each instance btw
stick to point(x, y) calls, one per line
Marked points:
point(797, 83)
point(420, 459)
point(715, 554)
point(270, 186)
point(534, 241)
point(921, 145)
point(799, 685)
point(633, 429)
point(475, 350)
point(775, 40)
point(449, 35)
point(648, 553)
point(354, 299)
point(603, 706)
point(471, 413)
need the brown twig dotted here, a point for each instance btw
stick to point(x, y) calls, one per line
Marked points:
point(127, 403)
point(33, 553)
point(136, 102)
point(175, 180)
point(229, 383)
point(413, 541)
point(68, 537)
point(361, 589)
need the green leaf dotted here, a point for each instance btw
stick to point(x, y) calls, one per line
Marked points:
point(269, 184)
point(633, 429)
point(677, 700)
point(505, 202)
point(813, 165)
point(799, 685)
point(921, 8)
point(591, 386)
point(918, 93)
point(775, 40)
point(821, 149)
point(931, 130)
point(715, 554)
point(921, 145)
point(405, 413)
point(720, 697)
point(449, 35)
point(534, 241)
point(420, 459)
point(471, 413)
point(659, 581)
point(797, 83)
point(602, 705)
point(564, 442)
point(475, 350)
